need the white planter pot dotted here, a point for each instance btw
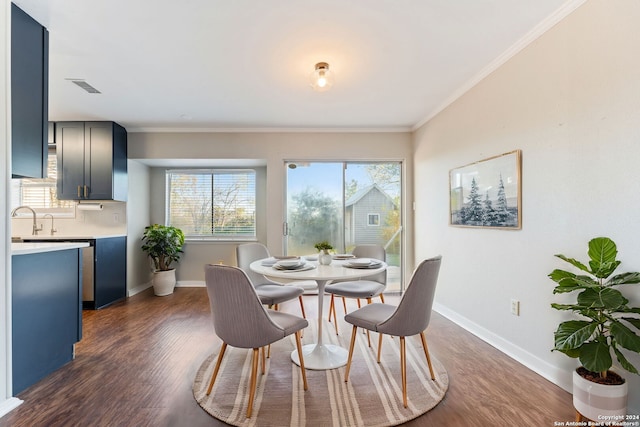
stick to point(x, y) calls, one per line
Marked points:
point(164, 282)
point(599, 402)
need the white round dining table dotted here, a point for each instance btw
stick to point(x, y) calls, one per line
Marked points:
point(319, 356)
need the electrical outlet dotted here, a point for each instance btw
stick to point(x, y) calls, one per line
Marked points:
point(515, 307)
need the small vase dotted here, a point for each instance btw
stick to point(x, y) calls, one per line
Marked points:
point(324, 258)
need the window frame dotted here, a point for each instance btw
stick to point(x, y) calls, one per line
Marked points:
point(219, 237)
point(373, 215)
point(43, 183)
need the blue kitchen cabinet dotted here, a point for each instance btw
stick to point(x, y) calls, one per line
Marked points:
point(92, 161)
point(46, 313)
point(29, 96)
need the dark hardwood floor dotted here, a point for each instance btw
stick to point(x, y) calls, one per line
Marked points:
point(138, 358)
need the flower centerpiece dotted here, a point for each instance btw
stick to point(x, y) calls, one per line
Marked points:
point(324, 258)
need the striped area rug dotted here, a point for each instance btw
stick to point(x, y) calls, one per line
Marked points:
point(372, 397)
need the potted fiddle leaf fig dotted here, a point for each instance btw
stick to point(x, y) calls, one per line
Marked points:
point(163, 244)
point(607, 327)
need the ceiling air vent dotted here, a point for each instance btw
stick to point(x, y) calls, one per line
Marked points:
point(84, 85)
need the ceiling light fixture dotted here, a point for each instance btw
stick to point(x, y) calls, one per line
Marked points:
point(321, 78)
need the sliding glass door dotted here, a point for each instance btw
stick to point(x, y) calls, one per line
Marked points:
point(347, 204)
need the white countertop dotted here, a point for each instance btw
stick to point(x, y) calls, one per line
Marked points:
point(35, 248)
point(69, 237)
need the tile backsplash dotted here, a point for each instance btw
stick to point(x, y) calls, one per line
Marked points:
point(110, 220)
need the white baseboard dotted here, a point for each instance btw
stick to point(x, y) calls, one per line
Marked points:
point(131, 292)
point(190, 284)
point(9, 405)
point(558, 376)
point(179, 284)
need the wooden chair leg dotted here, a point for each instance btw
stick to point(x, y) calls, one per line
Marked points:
point(217, 368)
point(379, 346)
point(578, 416)
point(358, 302)
point(403, 370)
point(252, 384)
point(304, 315)
point(344, 305)
point(382, 298)
point(368, 335)
point(302, 370)
point(269, 351)
point(263, 360)
point(332, 310)
point(353, 342)
point(335, 316)
point(331, 307)
point(426, 353)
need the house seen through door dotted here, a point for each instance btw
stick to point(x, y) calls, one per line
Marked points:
point(346, 204)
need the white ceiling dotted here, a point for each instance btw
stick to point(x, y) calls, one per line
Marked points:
point(244, 65)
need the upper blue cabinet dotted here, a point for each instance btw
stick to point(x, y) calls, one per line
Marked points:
point(92, 161)
point(29, 95)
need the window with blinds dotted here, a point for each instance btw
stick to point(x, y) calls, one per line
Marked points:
point(212, 203)
point(40, 194)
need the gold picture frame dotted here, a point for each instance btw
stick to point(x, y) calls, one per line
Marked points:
point(487, 193)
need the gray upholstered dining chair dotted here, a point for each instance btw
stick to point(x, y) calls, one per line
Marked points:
point(368, 288)
point(240, 320)
point(410, 317)
point(269, 292)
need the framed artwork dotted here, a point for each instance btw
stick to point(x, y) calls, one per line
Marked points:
point(487, 193)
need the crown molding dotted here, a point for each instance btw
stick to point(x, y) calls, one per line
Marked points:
point(544, 26)
point(404, 129)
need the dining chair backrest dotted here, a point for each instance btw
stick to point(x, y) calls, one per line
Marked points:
point(248, 253)
point(413, 313)
point(374, 252)
point(239, 318)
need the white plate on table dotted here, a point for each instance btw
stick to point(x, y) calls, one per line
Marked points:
point(363, 263)
point(290, 262)
point(360, 262)
point(301, 267)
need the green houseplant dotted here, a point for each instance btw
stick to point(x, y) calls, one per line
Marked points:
point(607, 323)
point(163, 244)
point(323, 246)
point(324, 258)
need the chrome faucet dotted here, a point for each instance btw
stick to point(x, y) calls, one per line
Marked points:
point(35, 226)
point(53, 230)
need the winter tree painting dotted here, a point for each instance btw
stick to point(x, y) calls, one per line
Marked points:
point(487, 193)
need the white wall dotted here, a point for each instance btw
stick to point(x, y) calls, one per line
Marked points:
point(571, 102)
point(6, 401)
point(5, 296)
point(273, 149)
point(138, 217)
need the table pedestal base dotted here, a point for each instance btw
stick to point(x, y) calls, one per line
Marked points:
point(321, 356)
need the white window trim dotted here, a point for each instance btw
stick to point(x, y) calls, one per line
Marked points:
point(369, 216)
point(212, 238)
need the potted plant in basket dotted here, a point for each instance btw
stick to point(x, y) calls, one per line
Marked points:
point(163, 244)
point(608, 327)
point(324, 258)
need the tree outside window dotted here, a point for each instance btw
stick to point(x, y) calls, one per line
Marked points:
point(212, 203)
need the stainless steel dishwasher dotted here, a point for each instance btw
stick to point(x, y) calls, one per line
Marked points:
point(88, 256)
